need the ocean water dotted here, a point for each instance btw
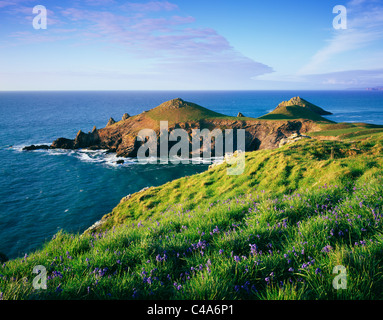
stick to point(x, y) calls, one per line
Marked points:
point(42, 192)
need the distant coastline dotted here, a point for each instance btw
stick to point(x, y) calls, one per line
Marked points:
point(380, 88)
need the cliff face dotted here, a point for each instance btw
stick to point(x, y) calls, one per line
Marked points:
point(121, 136)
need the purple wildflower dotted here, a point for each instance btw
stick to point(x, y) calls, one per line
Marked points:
point(177, 286)
point(327, 248)
point(253, 249)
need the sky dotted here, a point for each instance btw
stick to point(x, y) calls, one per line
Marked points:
point(190, 45)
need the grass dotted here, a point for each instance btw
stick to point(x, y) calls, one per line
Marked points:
point(344, 131)
point(275, 232)
point(188, 112)
point(294, 112)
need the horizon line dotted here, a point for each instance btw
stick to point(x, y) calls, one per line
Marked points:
point(183, 90)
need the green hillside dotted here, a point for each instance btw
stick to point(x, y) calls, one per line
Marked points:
point(348, 131)
point(297, 108)
point(293, 112)
point(274, 232)
point(298, 101)
point(178, 111)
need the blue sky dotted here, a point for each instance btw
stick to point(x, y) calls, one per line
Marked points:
point(190, 45)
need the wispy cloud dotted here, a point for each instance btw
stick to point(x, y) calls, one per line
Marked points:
point(99, 2)
point(365, 26)
point(25, 14)
point(349, 58)
point(172, 42)
point(157, 39)
point(349, 78)
point(346, 41)
point(150, 6)
point(6, 3)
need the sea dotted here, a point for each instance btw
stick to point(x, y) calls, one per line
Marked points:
point(45, 191)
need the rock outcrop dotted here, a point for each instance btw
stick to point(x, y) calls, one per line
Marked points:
point(36, 147)
point(3, 258)
point(82, 140)
point(85, 140)
point(293, 138)
point(62, 143)
point(125, 116)
point(240, 115)
point(111, 122)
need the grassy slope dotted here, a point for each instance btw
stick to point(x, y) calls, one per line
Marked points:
point(278, 171)
point(293, 112)
point(275, 232)
point(188, 113)
point(346, 131)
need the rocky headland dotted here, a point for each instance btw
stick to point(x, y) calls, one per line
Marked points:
point(260, 133)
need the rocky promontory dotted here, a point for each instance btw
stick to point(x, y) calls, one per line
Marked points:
point(121, 136)
point(298, 101)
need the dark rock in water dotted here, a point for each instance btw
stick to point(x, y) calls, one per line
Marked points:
point(38, 147)
point(240, 115)
point(3, 258)
point(63, 143)
point(85, 140)
point(120, 161)
point(125, 116)
point(82, 140)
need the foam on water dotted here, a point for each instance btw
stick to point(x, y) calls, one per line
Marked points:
point(84, 155)
point(111, 159)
